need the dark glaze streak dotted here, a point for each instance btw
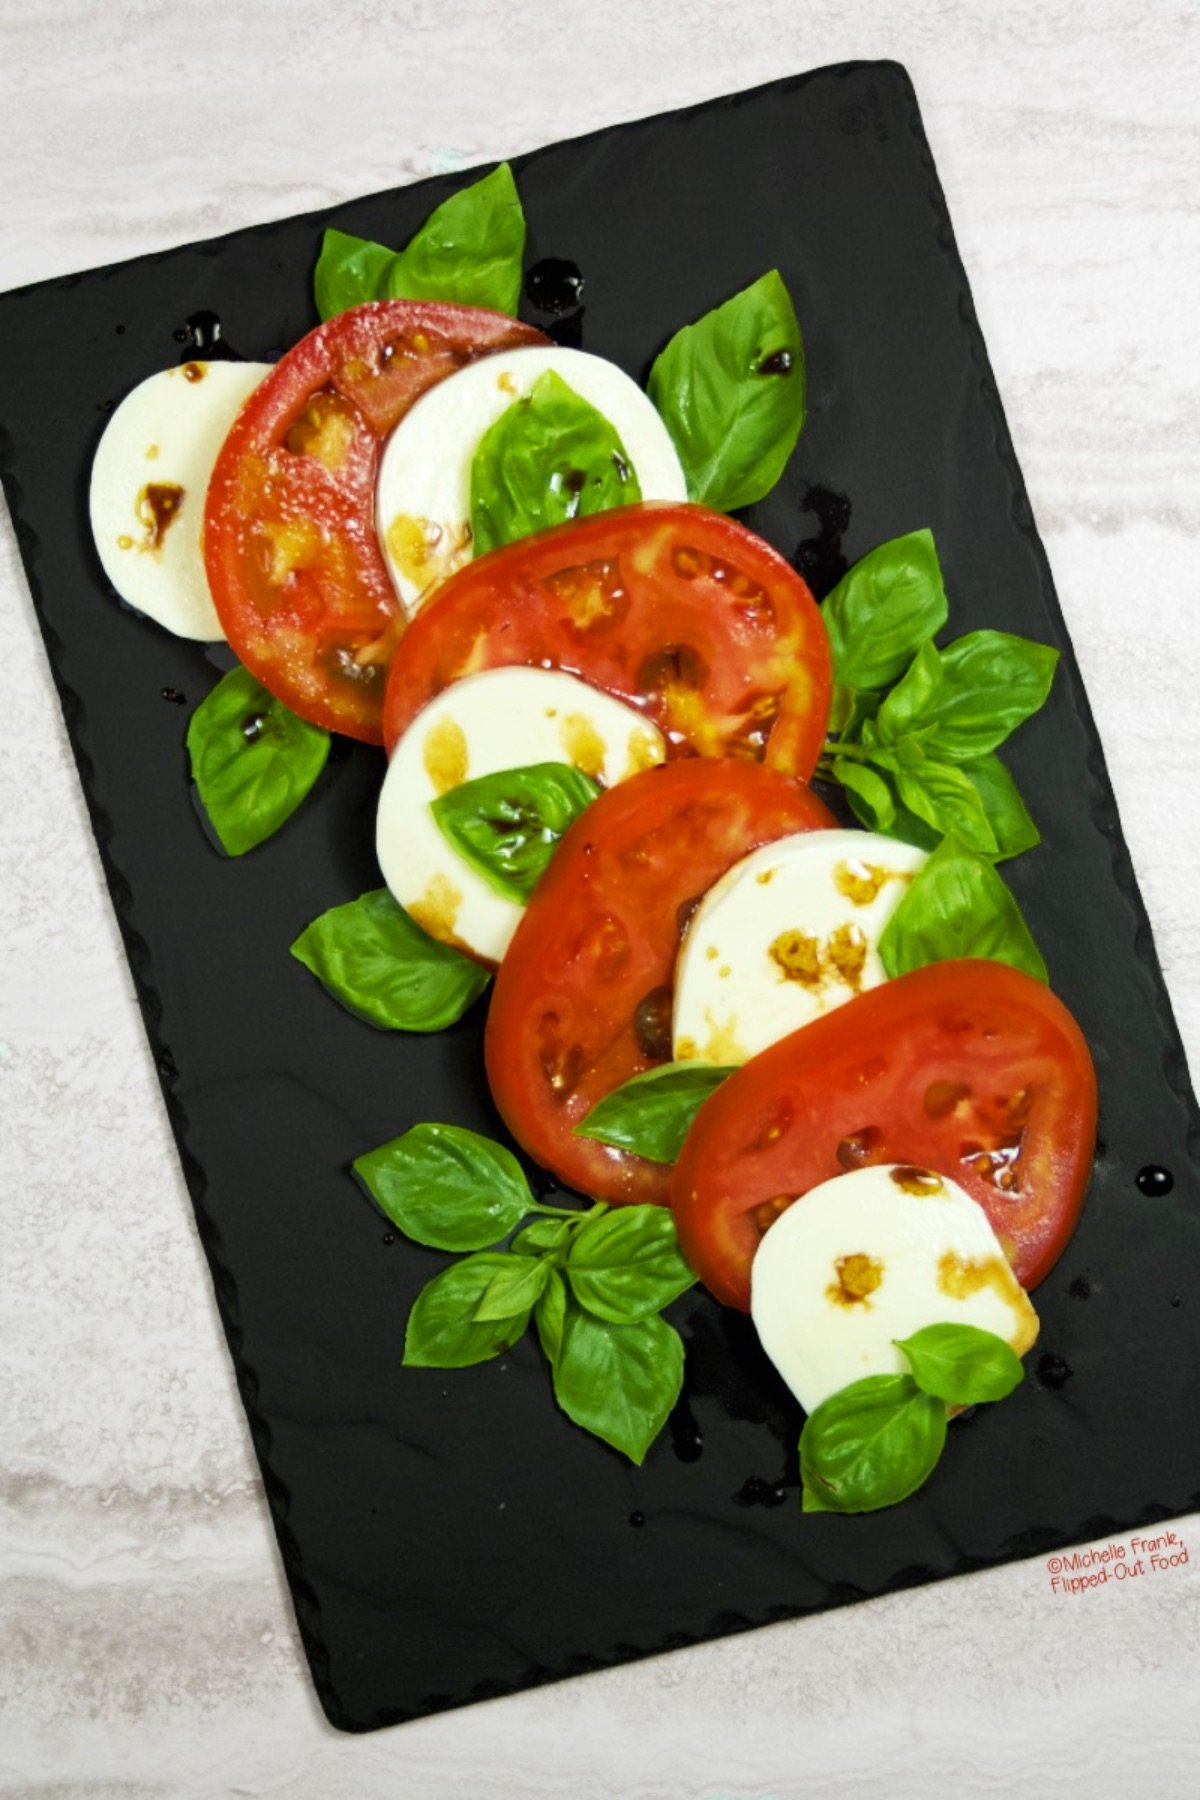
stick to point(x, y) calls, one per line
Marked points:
point(202, 336)
point(819, 559)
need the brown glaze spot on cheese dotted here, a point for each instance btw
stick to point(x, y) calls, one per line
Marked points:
point(960, 1277)
point(644, 752)
point(860, 882)
point(846, 953)
point(158, 505)
point(722, 1045)
point(151, 452)
point(437, 910)
point(583, 744)
point(444, 754)
point(766, 876)
point(858, 1276)
point(124, 542)
point(797, 956)
point(911, 1180)
point(195, 371)
point(425, 552)
point(507, 383)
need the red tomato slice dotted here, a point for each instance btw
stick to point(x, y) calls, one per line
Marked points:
point(583, 997)
point(675, 609)
point(968, 1068)
point(300, 586)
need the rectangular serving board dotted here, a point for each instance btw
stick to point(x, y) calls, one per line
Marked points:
point(449, 1537)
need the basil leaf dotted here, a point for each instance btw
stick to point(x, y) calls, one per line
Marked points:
point(252, 760)
point(958, 906)
point(652, 1113)
point(962, 1364)
point(618, 1381)
point(443, 1332)
point(985, 685)
point(507, 826)
point(627, 1263)
point(549, 457)
point(550, 1314)
point(903, 711)
point(870, 1445)
point(446, 1187)
point(376, 960)
point(871, 799)
point(884, 608)
point(514, 1289)
point(730, 389)
point(543, 1234)
point(1006, 812)
point(469, 250)
point(945, 798)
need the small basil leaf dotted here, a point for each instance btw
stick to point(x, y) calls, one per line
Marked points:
point(252, 760)
point(945, 798)
point(730, 389)
point(443, 1332)
point(957, 906)
point(376, 960)
point(549, 1315)
point(871, 1445)
point(869, 795)
point(507, 826)
point(1006, 812)
point(627, 1263)
point(514, 1289)
point(905, 708)
point(469, 250)
point(446, 1187)
point(962, 1364)
point(651, 1114)
point(885, 608)
point(548, 458)
point(543, 1234)
point(991, 681)
point(618, 1381)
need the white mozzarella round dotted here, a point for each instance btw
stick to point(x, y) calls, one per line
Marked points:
point(786, 934)
point(499, 719)
point(423, 496)
point(149, 480)
point(871, 1256)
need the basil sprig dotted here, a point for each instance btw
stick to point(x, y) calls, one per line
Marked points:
point(252, 760)
point(730, 390)
point(469, 250)
point(916, 727)
point(372, 957)
point(958, 906)
point(874, 1443)
point(593, 1283)
point(652, 1113)
point(507, 825)
point(549, 457)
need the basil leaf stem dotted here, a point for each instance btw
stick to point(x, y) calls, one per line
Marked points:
point(252, 760)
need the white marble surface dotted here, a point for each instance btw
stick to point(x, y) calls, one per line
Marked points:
point(146, 1644)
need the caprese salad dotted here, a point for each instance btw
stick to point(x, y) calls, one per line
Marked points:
point(817, 1068)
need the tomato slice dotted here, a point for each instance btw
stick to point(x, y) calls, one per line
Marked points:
point(583, 997)
point(673, 608)
point(969, 1068)
point(300, 587)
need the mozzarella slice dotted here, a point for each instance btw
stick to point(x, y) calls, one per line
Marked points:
point(149, 479)
point(500, 719)
point(788, 933)
point(871, 1256)
point(423, 496)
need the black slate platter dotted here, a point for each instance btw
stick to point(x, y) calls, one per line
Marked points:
point(448, 1537)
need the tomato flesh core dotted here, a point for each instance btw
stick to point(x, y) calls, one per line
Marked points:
point(673, 608)
point(582, 1000)
point(969, 1068)
point(296, 574)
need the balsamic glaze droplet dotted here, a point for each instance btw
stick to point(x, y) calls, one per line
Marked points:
point(637, 1519)
point(203, 337)
point(1176, 1299)
point(754, 1491)
point(687, 1440)
point(778, 363)
point(389, 1237)
point(1054, 1371)
point(1154, 1181)
point(174, 696)
point(1080, 1288)
point(554, 285)
point(252, 726)
point(120, 330)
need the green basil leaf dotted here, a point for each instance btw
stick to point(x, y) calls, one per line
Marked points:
point(376, 960)
point(1006, 812)
point(871, 1445)
point(252, 760)
point(945, 798)
point(443, 1332)
point(962, 1364)
point(550, 1315)
point(990, 682)
point(469, 250)
point(958, 906)
point(730, 389)
point(884, 608)
point(618, 1381)
point(549, 457)
point(871, 799)
point(627, 1263)
point(447, 1187)
point(507, 826)
point(543, 1234)
point(903, 712)
point(651, 1114)
point(514, 1289)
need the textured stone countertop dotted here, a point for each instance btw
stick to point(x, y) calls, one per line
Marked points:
point(147, 1646)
